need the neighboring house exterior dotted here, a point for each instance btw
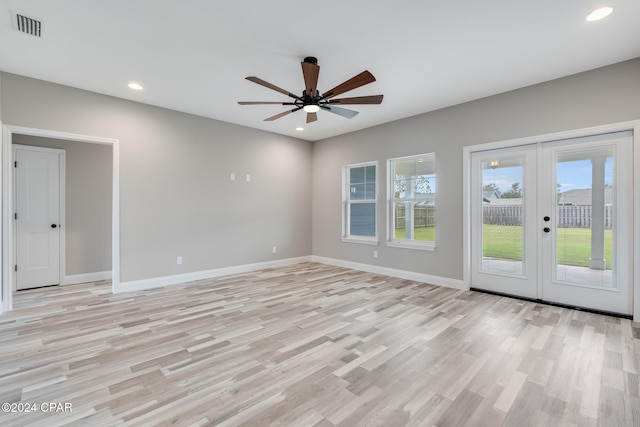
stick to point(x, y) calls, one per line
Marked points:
point(577, 197)
point(489, 195)
point(582, 197)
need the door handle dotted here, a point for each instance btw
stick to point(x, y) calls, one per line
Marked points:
point(546, 229)
point(54, 225)
point(547, 219)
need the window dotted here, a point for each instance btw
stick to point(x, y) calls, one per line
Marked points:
point(360, 196)
point(412, 202)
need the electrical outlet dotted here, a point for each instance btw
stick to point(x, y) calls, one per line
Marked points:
point(274, 250)
point(179, 260)
point(375, 254)
point(248, 177)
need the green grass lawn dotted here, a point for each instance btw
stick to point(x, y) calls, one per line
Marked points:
point(574, 244)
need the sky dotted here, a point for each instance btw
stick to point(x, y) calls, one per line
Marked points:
point(570, 175)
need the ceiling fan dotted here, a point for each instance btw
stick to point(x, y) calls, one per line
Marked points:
point(312, 101)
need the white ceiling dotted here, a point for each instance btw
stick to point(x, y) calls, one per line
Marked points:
point(193, 55)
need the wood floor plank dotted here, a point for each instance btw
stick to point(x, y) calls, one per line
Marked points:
point(313, 345)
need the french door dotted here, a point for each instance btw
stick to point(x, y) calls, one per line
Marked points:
point(553, 221)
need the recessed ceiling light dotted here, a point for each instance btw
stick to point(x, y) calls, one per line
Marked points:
point(135, 86)
point(299, 128)
point(597, 14)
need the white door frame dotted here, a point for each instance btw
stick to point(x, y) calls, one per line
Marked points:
point(62, 219)
point(633, 126)
point(6, 175)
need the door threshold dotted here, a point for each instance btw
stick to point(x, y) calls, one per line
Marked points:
point(37, 287)
point(556, 304)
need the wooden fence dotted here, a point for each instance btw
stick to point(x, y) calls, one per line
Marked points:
point(423, 216)
point(502, 215)
point(566, 216)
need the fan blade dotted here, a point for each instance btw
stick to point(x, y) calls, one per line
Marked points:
point(277, 116)
point(310, 73)
point(270, 86)
point(364, 78)
point(263, 103)
point(349, 114)
point(312, 117)
point(373, 99)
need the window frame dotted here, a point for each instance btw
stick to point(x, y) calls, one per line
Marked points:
point(391, 241)
point(347, 237)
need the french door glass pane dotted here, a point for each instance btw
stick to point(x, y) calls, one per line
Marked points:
point(502, 215)
point(584, 216)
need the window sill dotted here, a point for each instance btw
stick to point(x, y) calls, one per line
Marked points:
point(417, 246)
point(361, 240)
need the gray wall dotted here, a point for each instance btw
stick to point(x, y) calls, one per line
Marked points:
point(176, 198)
point(602, 96)
point(87, 225)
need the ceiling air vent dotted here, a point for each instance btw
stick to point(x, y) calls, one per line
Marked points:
point(27, 25)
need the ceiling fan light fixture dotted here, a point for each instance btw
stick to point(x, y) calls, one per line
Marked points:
point(600, 13)
point(312, 100)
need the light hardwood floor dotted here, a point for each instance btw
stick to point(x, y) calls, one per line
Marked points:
point(314, 345)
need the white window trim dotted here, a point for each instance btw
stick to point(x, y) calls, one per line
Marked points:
point(400, 243)
point(408, 244)
point(347, 238)
point(361, 240)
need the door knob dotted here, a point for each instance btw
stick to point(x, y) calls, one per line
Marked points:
point(546, 229)
point(547, 219)
point(54, 225)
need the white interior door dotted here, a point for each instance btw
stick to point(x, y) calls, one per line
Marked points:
point(553, 221)
point(37, 216)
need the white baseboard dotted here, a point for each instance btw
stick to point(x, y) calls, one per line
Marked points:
point(402, 274)
point(73, 279)
point(158, 282)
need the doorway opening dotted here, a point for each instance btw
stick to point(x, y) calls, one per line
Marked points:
point(544, 228)
point(555, 218)
point(110, 264)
